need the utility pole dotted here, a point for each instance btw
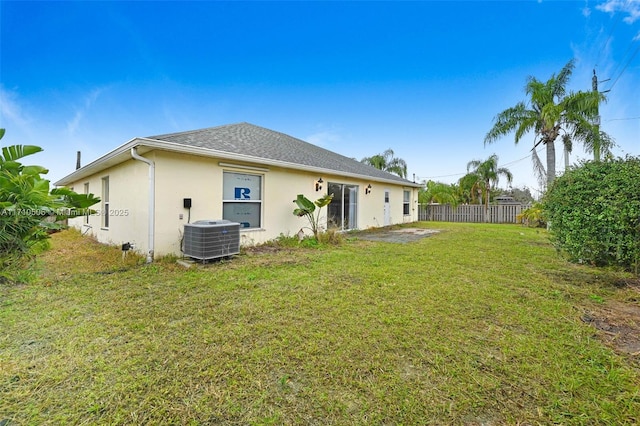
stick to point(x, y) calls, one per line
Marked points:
point(596, 121)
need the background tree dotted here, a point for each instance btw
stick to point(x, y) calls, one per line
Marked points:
point(488, 174)
point(549, 112)
point(438, 192)
point(28, 209)
point(522, 195)
point(470, 189)
point(387, 162)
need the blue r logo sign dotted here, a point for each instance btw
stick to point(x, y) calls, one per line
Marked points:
point(242, 193)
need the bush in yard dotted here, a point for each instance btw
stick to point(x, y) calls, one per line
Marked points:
point(29, 210)
point(594, 212)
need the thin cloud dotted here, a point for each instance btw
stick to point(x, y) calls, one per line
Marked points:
point(73, 125)
point(89, 100)
point(10, 110)
point(170, 117)
point(324, 139)
point(627, 7)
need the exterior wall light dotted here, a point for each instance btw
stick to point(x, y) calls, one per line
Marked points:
point(319, 184)
point(367, 190)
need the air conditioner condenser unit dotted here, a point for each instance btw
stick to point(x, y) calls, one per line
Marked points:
point(211, 239)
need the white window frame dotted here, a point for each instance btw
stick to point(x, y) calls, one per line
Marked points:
point(258, 202)
point(406, 202)
point(86, 191)
point(105, 203)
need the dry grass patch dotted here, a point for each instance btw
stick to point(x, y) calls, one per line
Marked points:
point(479, 324)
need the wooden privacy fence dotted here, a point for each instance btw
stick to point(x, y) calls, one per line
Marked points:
point(500, 213)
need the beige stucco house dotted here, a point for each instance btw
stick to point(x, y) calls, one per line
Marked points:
point(151, 187)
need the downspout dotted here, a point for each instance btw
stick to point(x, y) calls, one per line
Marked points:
point(152, 201)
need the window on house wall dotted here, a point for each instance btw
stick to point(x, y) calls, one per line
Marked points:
point(406, 203)
point(105, 202)
point(342, 212)
point(242, 199)
point(86, 191)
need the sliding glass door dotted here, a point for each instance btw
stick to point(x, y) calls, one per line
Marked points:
point(342, 213)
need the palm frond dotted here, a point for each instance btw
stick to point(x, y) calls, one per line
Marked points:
point(16, 152)
point(538, 169)
point(528, 122)
point(507, 121)
point(561, 81)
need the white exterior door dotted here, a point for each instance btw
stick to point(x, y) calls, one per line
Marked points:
point(387, 208)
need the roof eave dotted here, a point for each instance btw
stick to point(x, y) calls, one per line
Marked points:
point(107, 160)
point(110, 159)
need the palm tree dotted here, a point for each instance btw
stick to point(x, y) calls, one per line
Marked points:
point(387, 162)
point(487, 173)
point(438, 192)
point(470, 189)
point(550, 112)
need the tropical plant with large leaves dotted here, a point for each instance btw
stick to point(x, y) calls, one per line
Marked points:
point(550, 112)
point(388, 163)
point(307, 208)
point(487, 174)
point(29, 210)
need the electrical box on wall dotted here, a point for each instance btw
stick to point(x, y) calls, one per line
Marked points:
point(186, 203)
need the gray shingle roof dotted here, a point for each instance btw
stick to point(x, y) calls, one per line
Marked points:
point(255, 141)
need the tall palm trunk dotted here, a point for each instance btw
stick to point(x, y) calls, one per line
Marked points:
point(551, 162)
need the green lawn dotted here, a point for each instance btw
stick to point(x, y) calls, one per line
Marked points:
point(479, 324)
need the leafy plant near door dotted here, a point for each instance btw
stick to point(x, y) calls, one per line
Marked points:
point(307, 208)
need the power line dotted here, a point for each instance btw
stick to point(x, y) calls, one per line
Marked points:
point(463, 174)
point(629, 47)
point(625, 67)
point(613, 27)
point(615, 70)
point(621, 119)
point(521, 159)
point(438, 177)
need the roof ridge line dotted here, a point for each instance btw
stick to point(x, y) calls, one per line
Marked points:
point(200, 130)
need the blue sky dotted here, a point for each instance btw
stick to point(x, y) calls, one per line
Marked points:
point(423, 78)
